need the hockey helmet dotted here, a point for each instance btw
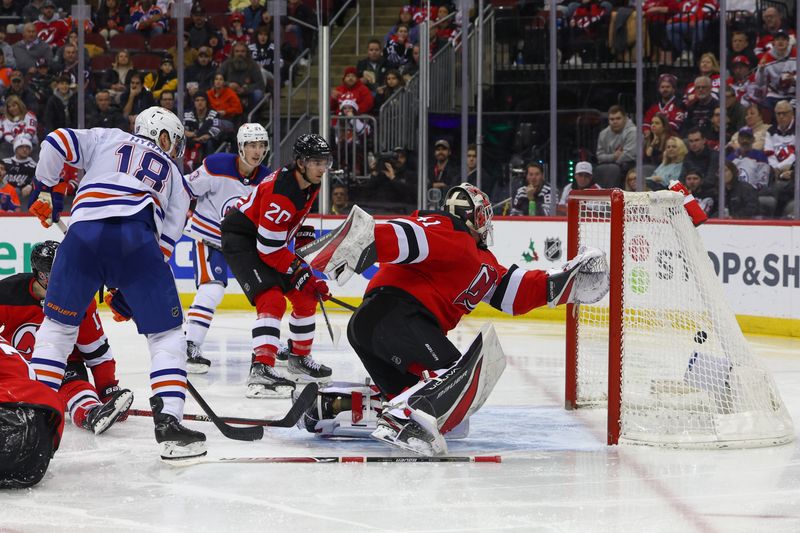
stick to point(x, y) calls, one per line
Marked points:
point(312, 146)
point(153, 120)
point(42, 256)
point(252, 132)
point(471, 205)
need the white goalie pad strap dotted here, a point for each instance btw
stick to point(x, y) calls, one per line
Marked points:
point(483, 363)
point(345, 250)
point(357, 422)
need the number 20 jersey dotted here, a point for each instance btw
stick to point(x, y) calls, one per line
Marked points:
point(432, 256)
point(124, 174)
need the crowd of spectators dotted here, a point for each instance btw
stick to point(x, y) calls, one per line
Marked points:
point(228, 59)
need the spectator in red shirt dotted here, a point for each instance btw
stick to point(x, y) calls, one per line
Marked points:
point(667, 104)
point(351, 89)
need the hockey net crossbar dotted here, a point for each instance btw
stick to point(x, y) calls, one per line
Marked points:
point(663, 351)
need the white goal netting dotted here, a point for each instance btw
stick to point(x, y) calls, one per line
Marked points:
point(688, 376)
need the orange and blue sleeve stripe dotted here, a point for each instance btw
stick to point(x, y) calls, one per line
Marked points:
point(65, 142)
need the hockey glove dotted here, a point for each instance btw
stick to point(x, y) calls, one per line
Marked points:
point(582, 280)
point(303, 280)
point(304, 236)
point(116, 302)
point(43, 208)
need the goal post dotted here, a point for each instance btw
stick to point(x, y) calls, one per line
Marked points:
point(662, 352)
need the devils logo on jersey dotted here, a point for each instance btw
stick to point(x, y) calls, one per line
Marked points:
point(478, 288)
point(24, 338)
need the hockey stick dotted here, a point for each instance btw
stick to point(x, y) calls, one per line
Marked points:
point(355, 459)
point(235, 433)
point(303, 402)
point(344, 304)
point(334, 337)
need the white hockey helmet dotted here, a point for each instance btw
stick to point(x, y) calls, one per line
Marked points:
point(153, 120)
point(252, 132)
point(473, 206)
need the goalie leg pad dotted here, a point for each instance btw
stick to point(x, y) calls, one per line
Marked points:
point(455, 393)
point(347, 250)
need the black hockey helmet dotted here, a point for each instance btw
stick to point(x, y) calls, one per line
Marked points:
point(26, 445)
point(42, 256)
point(311, 146)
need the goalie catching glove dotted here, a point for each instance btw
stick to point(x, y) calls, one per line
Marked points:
point(582, 280)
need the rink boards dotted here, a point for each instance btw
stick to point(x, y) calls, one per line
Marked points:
point(758, 264)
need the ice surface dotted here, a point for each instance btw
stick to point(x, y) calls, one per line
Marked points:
point(557, 474)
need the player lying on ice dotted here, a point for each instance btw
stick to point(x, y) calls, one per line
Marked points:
point(93, 407)
point(435, 268)
point(31, 422)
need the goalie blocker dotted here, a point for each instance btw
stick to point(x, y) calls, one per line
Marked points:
point(435, 268)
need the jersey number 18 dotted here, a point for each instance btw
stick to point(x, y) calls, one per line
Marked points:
point(152, 169)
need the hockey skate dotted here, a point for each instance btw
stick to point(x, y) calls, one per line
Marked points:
point(304, 369)
point(195, 362)
point(266, 382)
point(412, 434)
point(101, 417)
point(177, 442)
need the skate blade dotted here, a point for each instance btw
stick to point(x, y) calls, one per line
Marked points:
point(121, 406)
point(389, 436)
point(194, 368)
point(176, 453)
point(261, 391)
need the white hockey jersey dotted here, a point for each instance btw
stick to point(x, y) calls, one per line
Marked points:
point(218, 185)
point(124, 173)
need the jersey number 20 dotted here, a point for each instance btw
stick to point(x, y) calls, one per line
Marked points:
point(152, 169)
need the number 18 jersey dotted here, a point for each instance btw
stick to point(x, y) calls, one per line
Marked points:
point(124, 173)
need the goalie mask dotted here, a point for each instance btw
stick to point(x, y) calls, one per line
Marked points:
point(153, 120)
point(252, 132)
point(472, 205)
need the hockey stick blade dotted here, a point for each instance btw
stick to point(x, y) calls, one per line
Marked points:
point(231, 432)
point(354, 459)
point(304, 401)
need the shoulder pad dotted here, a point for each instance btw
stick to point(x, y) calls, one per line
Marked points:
point(221, 164)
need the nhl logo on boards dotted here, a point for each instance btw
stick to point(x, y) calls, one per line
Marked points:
point(552, 248)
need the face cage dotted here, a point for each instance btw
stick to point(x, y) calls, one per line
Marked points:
point(482, 221)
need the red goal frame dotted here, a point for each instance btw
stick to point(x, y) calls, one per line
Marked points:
point(616, 197)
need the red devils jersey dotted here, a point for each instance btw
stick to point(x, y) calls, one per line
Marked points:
point(432, 256)
point(277, 208)
point(20, 387)
point(21, 314)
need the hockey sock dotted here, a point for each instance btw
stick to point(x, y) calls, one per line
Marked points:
point(270, 305)
point(201, 312)
point(54, 343)
point(302, 323)
point(168, 369)
point(105, 374)
point(80, 397)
